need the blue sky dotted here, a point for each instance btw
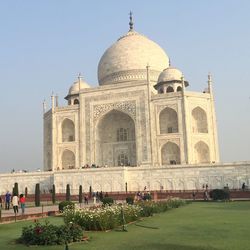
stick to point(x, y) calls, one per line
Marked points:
point(44, 44)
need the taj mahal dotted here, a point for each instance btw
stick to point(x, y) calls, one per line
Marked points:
point(141, 127)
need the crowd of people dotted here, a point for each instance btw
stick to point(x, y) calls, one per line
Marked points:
point(13, 200)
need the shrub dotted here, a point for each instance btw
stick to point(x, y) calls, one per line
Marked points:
point(150, 207)
point(37, 195)
point(219, 194)
point(63, 204)
point(130, 200)
point(107, 201)
point(147, 197)
point(68, 192)
point(48, 234)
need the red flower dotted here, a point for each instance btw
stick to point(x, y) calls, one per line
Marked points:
point(38, 230)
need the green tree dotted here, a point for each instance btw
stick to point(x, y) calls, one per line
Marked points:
point(68, 192)
point(53, 194)
point(15, 189)
point(37, 195)
point(26, 191)
point(80, 194)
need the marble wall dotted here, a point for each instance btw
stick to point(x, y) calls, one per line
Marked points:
point(174, 177)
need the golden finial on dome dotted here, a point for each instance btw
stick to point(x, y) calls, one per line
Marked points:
point(79, 76)
point(131, 24)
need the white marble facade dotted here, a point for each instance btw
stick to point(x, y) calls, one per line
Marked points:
point(142, 114)
point(113, 179)
point(140, 126)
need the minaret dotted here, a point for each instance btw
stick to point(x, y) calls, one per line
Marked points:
point(149, 111)
point(185, 124)
point(79, 125)
point(214, 122)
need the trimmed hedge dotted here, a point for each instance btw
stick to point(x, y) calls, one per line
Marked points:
point(63, 204)
point(37, 195)
point(219, 194)
point(68, 197)
point(130, 200)
point(107, 201)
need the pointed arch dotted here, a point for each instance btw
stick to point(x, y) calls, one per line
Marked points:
point(199, 120)
point(170, 89)
point(68, 130)
point(170, 154)
point(115, 139)
point(168, 121)
point(68, 159)
point(179, 88)
point(76, 101)
point(202, 154)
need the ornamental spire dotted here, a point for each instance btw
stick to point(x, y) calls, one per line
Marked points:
point(79, 77)
point(131, 24)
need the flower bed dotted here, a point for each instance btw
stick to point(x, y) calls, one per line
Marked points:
point(102, 218)
point(109, 217)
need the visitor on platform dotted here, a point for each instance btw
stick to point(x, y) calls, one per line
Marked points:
point(22, 202)
point(1, 202)
point(7, 200)
point(86, 199)
point(193, 196)
point(15, 201)
point(243, 186)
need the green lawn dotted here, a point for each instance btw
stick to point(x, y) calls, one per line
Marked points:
point(196, 226)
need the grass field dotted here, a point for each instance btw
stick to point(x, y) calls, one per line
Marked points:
point(197, 226)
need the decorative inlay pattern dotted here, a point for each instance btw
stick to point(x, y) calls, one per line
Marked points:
point(128, 107)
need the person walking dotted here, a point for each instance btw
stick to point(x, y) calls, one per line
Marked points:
point(7, 200)
point(22, 202)
point(15, 201)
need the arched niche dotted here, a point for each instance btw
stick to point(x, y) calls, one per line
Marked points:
point(168, 121)
point(68, 159)
point(115, 140)
point(68, 130)
point(199, 118)
point(170, 89)
point(179, 88)
point(76, 101)
point(202, 154)
point(170, 154)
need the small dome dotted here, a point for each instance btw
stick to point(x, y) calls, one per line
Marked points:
point(74, 89)
point(127, 58)
point(170, 74)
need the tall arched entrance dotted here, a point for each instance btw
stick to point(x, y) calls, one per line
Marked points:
point(115, 140)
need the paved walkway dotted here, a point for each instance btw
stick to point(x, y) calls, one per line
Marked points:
point(29, 210)
point(35, 210)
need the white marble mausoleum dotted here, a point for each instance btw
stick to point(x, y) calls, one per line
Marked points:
point(140, 127)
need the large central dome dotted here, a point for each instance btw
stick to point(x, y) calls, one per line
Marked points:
point(127, 58)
